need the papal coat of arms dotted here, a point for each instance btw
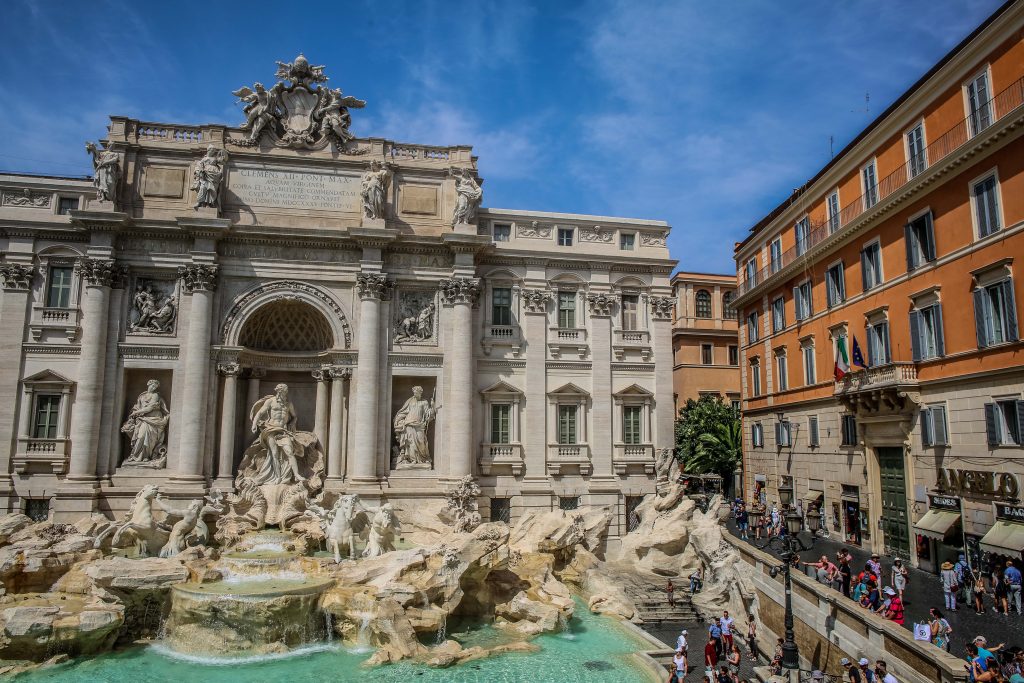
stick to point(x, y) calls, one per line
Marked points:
point(297, 111)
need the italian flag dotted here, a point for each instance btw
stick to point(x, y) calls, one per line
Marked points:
point(842, 358)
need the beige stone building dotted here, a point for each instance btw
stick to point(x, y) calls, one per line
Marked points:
point(222, 262)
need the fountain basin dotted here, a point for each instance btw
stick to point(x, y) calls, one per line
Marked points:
point(239, 617)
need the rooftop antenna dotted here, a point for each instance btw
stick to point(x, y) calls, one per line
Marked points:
point(867, 105)
point(831, 147)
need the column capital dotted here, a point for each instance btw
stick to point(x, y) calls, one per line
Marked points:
point(255, 373)
point(536, 300)
point(340, 373)
point(373, 286)
point(97, 272)
point(662, 307)
point(322, 374)
point(17, 277)
point(198, 277)
point(601, 304)
point(460, 290)
point(229, 369)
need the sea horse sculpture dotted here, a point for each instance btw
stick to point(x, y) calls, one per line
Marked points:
point(138, 525)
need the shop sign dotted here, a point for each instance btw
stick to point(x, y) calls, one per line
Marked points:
point(944, 503)
point(998, 484)
point(1010, 513)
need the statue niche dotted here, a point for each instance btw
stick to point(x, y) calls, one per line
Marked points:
point(412, 424)
point(146, 427)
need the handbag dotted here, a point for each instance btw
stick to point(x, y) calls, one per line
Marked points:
point(922, 632)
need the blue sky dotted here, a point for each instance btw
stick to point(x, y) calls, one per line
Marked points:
point(703, 114)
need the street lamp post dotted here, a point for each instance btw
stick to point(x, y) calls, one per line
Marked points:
point(791, 545)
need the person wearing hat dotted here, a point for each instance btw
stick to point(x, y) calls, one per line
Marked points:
point(894, 607)
point(852, 672)
point(866, 670)
point(984, 651)
point(899, 577)
point(817, 675)
point(679, 662)
point(949, 585)
point(681, 643)
point(876, 566)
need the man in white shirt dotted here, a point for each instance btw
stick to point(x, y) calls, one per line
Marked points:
point(681, 641)
point(882, 674)
point(727, 630)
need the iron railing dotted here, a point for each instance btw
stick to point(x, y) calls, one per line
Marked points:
point(963, 132)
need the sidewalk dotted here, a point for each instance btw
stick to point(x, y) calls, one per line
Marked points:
point(923, 592)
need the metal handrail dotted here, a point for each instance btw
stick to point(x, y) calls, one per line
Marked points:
point(999, 107)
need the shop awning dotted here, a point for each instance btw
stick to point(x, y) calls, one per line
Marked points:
point(937, 523)
point(812, 496)
point(1004, 538)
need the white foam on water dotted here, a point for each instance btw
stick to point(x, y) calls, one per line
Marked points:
point(232, 577)
point(209, 660)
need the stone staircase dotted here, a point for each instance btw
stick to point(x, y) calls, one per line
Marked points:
point(653, 606)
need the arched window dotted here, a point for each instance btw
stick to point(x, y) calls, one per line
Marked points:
point(726, 311)
point(703, 303)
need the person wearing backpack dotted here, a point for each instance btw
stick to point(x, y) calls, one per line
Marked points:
point(940, 628)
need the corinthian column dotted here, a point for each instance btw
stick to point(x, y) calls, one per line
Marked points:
point(228, 418)
point(17, 282)
point(97, 276)
point(372, 289)
point(461, 294)
point(199, 280)
point(337, 431)
point(321, 377)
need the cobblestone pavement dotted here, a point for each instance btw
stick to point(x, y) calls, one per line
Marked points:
point(923, 592)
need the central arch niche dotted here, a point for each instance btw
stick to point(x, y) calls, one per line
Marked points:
point(286, 325)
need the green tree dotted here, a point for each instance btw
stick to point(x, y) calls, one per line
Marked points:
point(708, 437)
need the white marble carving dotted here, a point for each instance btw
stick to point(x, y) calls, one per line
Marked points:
point(411, 424)
point(652, 239)
point(343, 524)
point(335, 117)
point(662, 307)
point(106, 172)
point(415, 315)
point(462, 505)
point(27, 198)
point(17, 276)
point(147, 428)
point(535, 300)
point(208, 177)
point(469, 195)
point(534, 231)
point(273, 419)
point(596, 234)
point(374, 189)
point(383, 527)
point(154, 309)
point(601, 304)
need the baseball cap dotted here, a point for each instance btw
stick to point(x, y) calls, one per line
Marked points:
point(889, 591)
point(844, 662)
point(863, 661)
point(817, 675)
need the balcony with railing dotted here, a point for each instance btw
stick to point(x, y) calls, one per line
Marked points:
point(41, 455)
point(899, 374)
point(567, 340)
point(563, 456)
point(61, 320)
point(502, 335)
point(1003, 104)
point(508, 455)
point(624, 341)
point(636, 455)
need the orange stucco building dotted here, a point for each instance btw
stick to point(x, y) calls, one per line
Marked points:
point(705, 343)
point(911, 243)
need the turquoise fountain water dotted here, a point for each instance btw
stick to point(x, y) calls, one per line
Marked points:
point(593, 650)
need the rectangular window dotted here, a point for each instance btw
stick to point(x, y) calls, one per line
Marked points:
point(1003, 422)
point(627, 240)
point(501, 423)
point(776, 254)
point(812, 431)
point(917, 160)
point(832, 209)
point(778, 315)
point(755, 378)
point(501, 510)
point(735, 405)
point(783, 369)
point(567, 310)
point(58, 287)
point(565, 237)
point(502, 232)
point(995, 314)
point(47, 412)
point(849, 430)
point(810, 372)
point(869, 174)
point(630, 310)
point(706, 354)
point(757, 435)
point(835, 285)
point(501, 306)
point(986, 206)
point(978, 106)
point(871, 265)
point(919, 236)
point(37, 509)
point(569, 503)
point(926, 337)
point(752, 327)
point(783, 434)
point(933, 426)
point(734, 355)
point(631, 424)
point(878, 344)
point(751, 270)
point(802, 302)
point(567, 424)
point(803, 233)
point(65, 205)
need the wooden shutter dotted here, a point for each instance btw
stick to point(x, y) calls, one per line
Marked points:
point(929, 238)
point(941, 438)
point(990, 424)
point(940, 343)
point(813, 424)
point(979, 318)
point(926, 427)
point(864, 269)
point(915, 335)
point(908, 240)
point(1020, 422)
point(1011, 311)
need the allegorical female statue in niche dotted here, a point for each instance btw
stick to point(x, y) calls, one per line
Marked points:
point(411, 424)
point(147, 427)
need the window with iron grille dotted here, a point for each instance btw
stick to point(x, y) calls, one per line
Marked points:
point(632, 518)
point(702, 304)
point(569, 503)
point(501, 510)
point(37, 509)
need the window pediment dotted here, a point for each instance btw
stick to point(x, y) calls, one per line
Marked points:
point(569, 390)
point(633, 391)
point(501, 388)
point(47, 377)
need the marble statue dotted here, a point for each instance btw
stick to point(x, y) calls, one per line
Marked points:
point(138, 527)
point(262, 106)
point(343, 524)
point(462, 506)
point(665, 463)
point(147, 428)
point(177, 540)
point(374, 190)
point(107, 172)
point(153, 311)
point(383, 527)
point(469, 196)
point(335, 117)
point(208, 176)
point(411, 424)
point(273, 419)
point(415, 325)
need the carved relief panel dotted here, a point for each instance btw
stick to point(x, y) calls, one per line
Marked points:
point(153, 308)
point(415, 317)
